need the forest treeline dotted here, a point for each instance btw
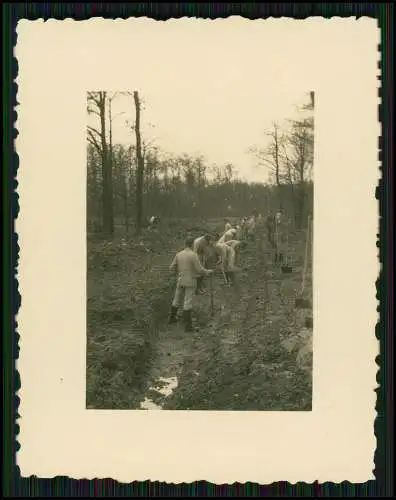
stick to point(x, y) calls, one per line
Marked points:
point(132, 182)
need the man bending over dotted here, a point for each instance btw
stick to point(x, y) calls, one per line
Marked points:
point(188, 268)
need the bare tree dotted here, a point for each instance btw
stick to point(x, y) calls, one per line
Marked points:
point(124, 173)
point(151, 171)
point(97, 105)
point(301, 147)
point(228, 172)
point(270, 156)
point(139, 166)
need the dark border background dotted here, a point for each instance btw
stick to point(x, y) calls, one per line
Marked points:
point(13, 484)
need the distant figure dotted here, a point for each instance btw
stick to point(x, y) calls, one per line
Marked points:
point(188, 267)
point(251, 227)
point(229, 208)
point(201, 248)
point(228, 235)
point(244, 228)
point(227, 257)
point(154, 220)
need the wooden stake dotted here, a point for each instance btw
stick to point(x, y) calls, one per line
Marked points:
point(306, 256)
point(211, 297)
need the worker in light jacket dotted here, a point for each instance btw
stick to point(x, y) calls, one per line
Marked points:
point(228, 235)
point(226, 256)
point(188, 268)
point(202, 247)
point(236, 245)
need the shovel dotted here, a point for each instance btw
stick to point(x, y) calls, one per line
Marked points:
point(301, 302)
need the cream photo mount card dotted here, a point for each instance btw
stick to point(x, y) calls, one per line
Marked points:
point(198, 257)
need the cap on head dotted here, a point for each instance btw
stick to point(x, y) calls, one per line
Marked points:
point(208, 237)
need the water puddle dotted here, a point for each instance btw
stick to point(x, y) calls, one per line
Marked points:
point(148, 404)
point(165, 389)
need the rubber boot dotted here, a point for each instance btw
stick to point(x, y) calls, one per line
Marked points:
point(173, 315)
point(187, 321)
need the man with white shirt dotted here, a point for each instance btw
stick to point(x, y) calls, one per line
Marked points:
point(188, 268)
point(228, 235)
point(226, 257)
point(202, 248)
point(236, 245)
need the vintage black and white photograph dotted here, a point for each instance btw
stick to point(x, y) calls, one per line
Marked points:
point(199, 251)
point(197, 232)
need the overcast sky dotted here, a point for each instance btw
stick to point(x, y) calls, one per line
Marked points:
point(209, 92)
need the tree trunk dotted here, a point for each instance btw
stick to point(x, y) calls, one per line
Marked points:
point(110, 135)
point(125, 189)
point(276, 144)
point(139, 167)
point(107, 174)
point(312, 95)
